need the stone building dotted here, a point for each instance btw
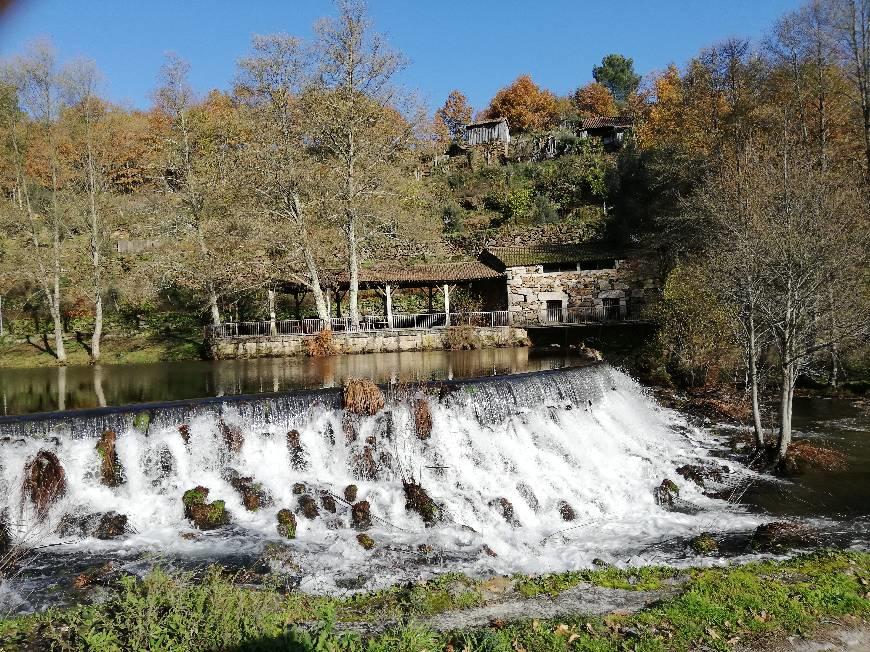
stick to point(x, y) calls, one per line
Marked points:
point(573, 283)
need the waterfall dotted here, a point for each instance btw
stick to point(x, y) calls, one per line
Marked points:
point(587, 438)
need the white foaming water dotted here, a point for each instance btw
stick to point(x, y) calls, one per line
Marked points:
point(589, 437)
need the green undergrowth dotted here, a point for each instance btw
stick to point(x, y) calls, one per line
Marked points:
point(717, 609)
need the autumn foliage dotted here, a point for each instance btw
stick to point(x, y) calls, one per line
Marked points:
point(526, 106)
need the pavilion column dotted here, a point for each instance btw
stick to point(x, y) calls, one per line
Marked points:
point(273, 323)
point(430, 299)
point(388, 294)
point(446, 305)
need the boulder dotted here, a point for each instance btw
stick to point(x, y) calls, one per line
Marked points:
point(298, 488)
point(110, 465)
point(111, 526)
point(287, 524)
point(233, 436)
point(566, 511)
point(506, 509)
point(253, 494)
point(308, 507)
point(184, 431)
point(666, 493)
point(100, 525)
point(365, 541)
point(528, 495)
point(298, 458)
point(704, 544)
point(5, 536)
point(350, 493)
point(44, 481)
point(422, 419)
point(781, 536)
point(417, 500)
point(204, 515)
point(142, 421)
point(698, 474)
point(360, 515)
point(327, 502)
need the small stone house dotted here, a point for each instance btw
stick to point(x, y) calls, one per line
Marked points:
point(609, 130)
point(573, 283)
point(493, 134)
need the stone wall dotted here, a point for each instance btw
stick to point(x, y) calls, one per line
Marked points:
point(529, 288)
point(382, 341)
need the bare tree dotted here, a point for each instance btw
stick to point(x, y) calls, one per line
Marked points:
point(358, 128)
point(279, 170)
point(37, 213)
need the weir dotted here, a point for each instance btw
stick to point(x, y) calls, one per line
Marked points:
point(531, 472)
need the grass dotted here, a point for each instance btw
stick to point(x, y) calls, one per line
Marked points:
point(718, 608)
point(131, 349)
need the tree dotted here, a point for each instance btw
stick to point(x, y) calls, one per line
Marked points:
point(37, 214)
point(526, 106)
point(593, 100)
point(793, 248)
point(281, 170)
point(455, 114)
point(616, 73)
point(357, 128)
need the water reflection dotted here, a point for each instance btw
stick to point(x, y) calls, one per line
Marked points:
point(64, 388)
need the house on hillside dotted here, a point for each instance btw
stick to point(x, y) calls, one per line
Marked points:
point(610, 131)
point(573, 283)
point(493, 135)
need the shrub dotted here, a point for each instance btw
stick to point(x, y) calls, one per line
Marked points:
point(322, 345)
point(462, 338)
point(362, 396)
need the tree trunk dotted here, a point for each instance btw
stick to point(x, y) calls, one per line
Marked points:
point(753, 383)
point(786, 398)
point(213, 307)
point(56, 317)
point(273, 323)
point(98, 330)
point(353, 265)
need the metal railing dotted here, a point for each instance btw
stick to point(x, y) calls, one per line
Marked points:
point(367, 324)
point(593, 314)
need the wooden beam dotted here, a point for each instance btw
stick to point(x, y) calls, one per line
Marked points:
point(388, 293)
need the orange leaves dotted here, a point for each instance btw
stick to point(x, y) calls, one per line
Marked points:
point(526, 106)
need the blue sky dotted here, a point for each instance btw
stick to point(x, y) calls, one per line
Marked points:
point(476, 46)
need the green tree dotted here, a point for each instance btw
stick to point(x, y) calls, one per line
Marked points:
point(616, 72)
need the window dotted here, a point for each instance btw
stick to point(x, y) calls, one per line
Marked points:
point(611, 308)
point(554, 311)
point(559, 267)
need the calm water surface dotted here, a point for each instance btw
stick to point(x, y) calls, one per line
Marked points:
point(24, 391)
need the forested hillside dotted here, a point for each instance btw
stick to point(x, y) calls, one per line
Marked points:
point(745, 172)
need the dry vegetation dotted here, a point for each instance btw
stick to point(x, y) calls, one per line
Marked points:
point(361, 396)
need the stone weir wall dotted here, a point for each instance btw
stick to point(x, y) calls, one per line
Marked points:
point(436, 339)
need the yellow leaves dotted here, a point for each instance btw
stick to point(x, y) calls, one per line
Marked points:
point(526, 106)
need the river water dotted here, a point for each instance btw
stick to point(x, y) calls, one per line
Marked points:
point(591, 438)
point(24, 391)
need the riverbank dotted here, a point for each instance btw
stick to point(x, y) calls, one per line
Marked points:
point(38, 351)
point(761, 605)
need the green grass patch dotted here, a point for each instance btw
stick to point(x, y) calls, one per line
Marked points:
point(717, 609)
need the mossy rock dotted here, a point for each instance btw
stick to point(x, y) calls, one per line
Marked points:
point(204, 515)
point(782, 536)
point(365, 541)
point(196, 496)
point(666, 493)
point(287, 524)
point(142, 421)
point(308, 506)
point(360, 515)
point(704, 544)
point(350, 493)
point(417, 500)
point(110, 465)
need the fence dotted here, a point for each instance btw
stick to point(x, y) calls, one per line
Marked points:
point(614, 312)
point(367, 324)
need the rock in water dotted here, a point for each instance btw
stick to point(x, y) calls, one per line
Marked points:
point(112, 525)
point(298, 459)
point(110, 465)
point(287, 524)
point(327, 502)
point(566, 511)
point(100, 525)
point(365, 541)
point(422, 419)
point(233, 436)
point(360, 515)
point(253, 495)
point(781, 536)
point(666, 493)
point(506, 509)
point(417, 500)
point(704, 544)
point(204, 515)
point(350, 492)
point(44, 481)
point(308, 506)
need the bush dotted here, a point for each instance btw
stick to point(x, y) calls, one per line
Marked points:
point(463, 338)
point(322, 344)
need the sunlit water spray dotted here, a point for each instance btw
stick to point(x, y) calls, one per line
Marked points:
point(589, 438)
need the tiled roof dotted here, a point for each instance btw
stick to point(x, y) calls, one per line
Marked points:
point(431, 273)
point(601, 122)
point(484, 123)
point(501, 257)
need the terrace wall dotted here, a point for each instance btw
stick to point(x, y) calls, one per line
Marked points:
point(366, 342)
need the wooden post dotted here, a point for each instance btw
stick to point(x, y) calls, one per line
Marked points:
point(388, 293)
point(446, 304)
point(430, 299)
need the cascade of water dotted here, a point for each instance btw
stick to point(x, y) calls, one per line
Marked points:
point(532, 473)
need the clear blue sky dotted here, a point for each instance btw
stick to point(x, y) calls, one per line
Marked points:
point(477, 46)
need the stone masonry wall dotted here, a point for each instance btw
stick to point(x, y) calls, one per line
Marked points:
point(529, 288)
point(382, 341)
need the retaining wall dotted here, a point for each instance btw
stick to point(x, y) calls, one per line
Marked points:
point(278, 346)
